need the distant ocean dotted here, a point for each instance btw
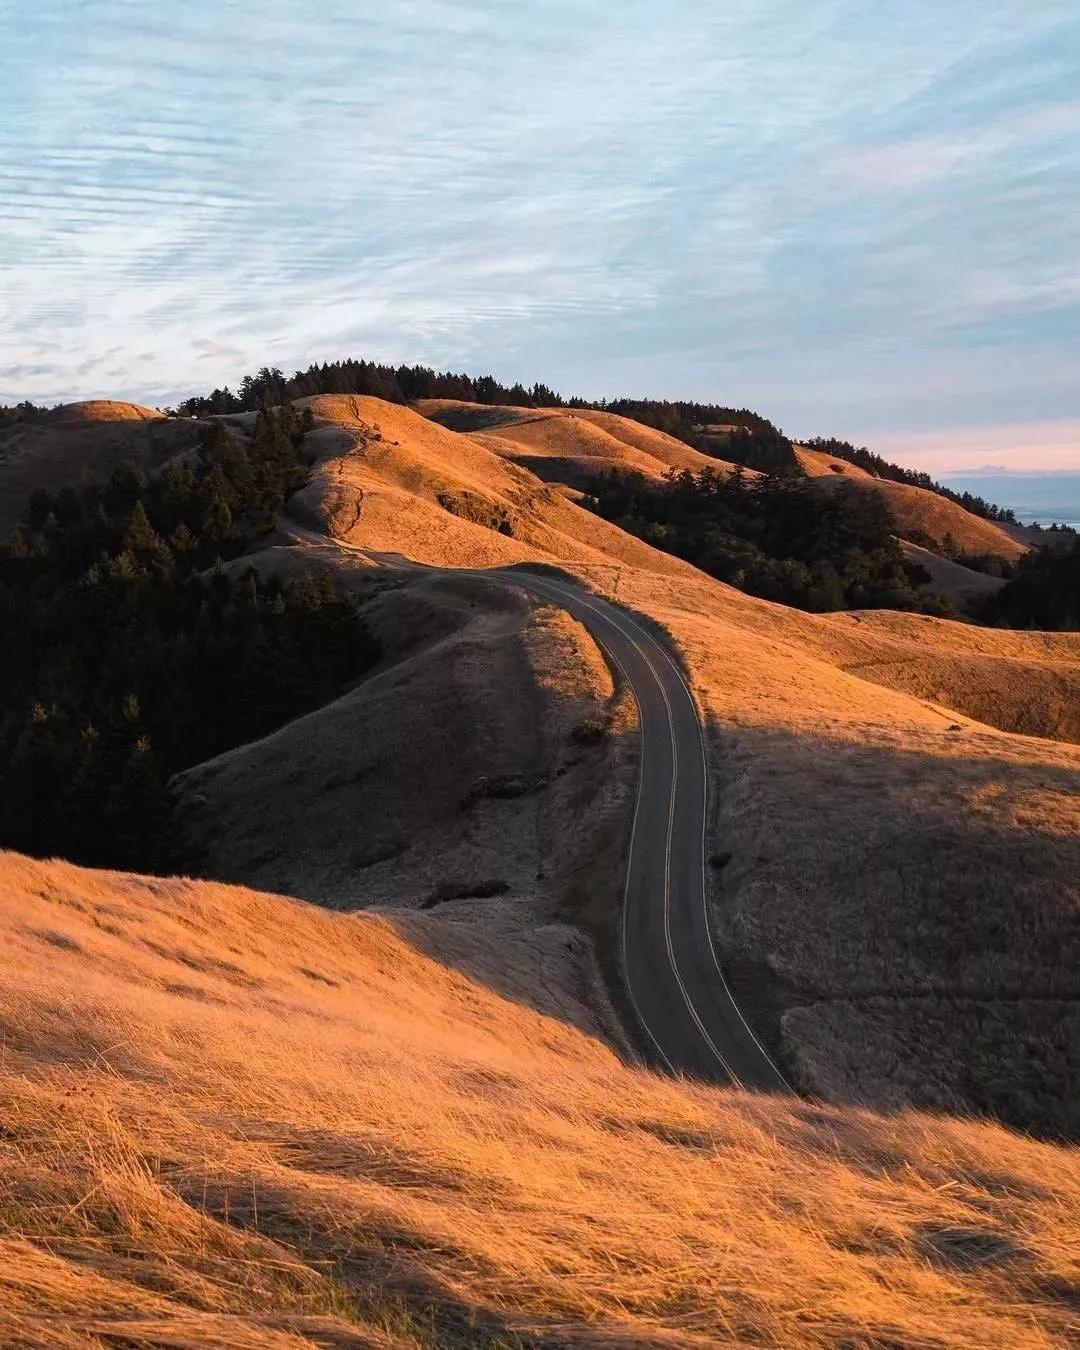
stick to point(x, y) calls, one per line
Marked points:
point(1037, 498)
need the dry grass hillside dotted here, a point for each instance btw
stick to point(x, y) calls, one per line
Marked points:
point(396, 482)
point(569, 444)
point(898, 894)
point(900, 900)
point(90, 438)
point(963, 586)
point(560, 444)
point(235, 1120)
point(464, 773)
point(917, 511)
point(437, 496)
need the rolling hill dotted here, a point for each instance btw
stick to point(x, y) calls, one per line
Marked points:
point(76, 439)
point(962, 586)
point(569, 445)
point(404, 484)
point(242, 1119)
point(919, 513)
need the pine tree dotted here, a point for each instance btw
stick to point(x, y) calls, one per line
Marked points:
point(182, 540)
point(217, 522)
point(140, 537)
point(144, 812)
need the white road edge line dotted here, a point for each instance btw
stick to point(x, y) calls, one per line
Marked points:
point(694, 1014)
point(637, 803)
point(630, 850)
point(704, 889)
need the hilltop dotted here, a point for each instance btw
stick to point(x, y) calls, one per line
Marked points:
point(570, 444)
point(79, 441)
point(575, 445)
point(437, 495)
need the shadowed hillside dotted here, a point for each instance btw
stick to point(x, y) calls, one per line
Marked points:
point(965, 588)
point(458, 774)
point(81, 441)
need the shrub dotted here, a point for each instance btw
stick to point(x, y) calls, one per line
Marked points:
point(465, 890)
point(591, 730)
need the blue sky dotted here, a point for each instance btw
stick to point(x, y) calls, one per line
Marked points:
point(862, 219)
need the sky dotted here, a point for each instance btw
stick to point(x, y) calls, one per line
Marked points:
point(860, 219)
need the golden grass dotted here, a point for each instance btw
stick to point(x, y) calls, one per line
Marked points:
point(903, 881)
point(232, 1119)
point(915, 509)
point(105, 410)
point(902, 886)
point(433, 494)
point(557, 443)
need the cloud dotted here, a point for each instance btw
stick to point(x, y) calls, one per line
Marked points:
point(811, 209)
point(922, 160)
point(210, 350)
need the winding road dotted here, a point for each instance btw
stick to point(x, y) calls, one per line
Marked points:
point(673, 974)
point(687, 1012)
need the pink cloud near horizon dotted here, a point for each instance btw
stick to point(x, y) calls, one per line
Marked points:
point(1025, 447)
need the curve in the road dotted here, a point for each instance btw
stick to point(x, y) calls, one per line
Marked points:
point(673, 974)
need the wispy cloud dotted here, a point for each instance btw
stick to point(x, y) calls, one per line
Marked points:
point(926, 159)
point(812, 209)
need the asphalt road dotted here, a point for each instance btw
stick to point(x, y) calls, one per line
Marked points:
point(691, 1022)
point(673, 973)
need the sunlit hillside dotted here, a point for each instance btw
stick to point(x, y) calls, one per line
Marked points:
point(231, 1119)
point(238, 1119)
point(400, 483)
point(560, 443)
point(539, 750)
point(919, 513)
point(919, 747)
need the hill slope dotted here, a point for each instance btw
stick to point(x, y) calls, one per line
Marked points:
point(443, 498)
point(963, 586)
point(94, 438)
point(456, 770)
point(560, 444)
point(919, 513)
point(911, 744)
point(415, 488)
point(232, 1119)
point(570, 445)
point(235, 1119)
